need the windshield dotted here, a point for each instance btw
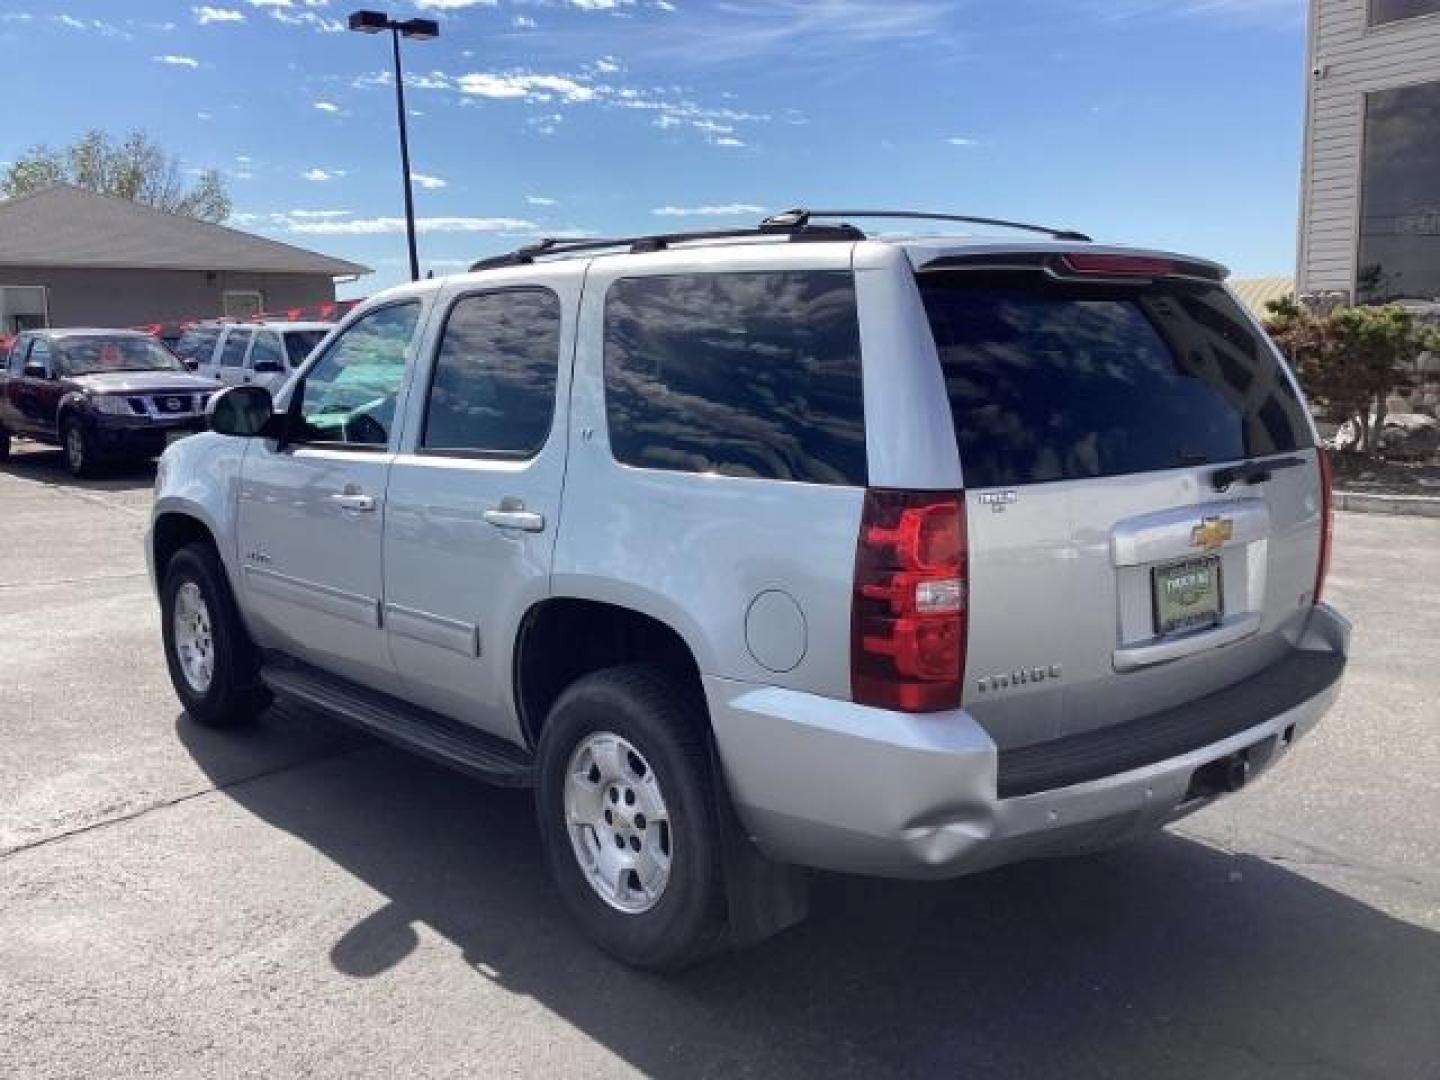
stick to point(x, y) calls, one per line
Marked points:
point(90, 355)
point(301, 343)
point(1049, 381)
point(196, 344)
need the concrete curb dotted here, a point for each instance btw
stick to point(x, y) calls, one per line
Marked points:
point(1360, 502)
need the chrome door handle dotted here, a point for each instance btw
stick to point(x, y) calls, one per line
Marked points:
point(350, 500)
point(511, 514)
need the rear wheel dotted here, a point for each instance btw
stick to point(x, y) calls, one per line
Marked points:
point(79, 448)
point(4, 444)
point(627, 814)
point(213, 665)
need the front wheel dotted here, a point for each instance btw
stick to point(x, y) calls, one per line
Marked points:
point(627, 815)
point(79, 448)
point(213, 665)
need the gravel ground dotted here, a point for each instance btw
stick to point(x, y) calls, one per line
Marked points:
point(301, 901)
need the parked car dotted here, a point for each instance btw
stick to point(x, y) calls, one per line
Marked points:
point(797, 549)
point(98, 394)
point(260, 353)
point(196, 343)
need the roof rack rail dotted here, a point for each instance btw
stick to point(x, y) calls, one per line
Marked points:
point(800, 218)
point(802, 232)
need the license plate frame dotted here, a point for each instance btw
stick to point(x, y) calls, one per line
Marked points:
point(1172, 612)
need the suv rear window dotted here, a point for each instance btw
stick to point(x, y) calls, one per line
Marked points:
point(741, 374)
point(1055, 381)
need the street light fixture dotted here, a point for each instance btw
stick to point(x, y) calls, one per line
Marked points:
point(377, 22)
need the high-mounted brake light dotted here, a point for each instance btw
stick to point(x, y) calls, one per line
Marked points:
point(908, 615)
point(1327, 521)
point(1127, 266)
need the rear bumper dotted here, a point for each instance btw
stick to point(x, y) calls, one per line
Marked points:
point(843, 787)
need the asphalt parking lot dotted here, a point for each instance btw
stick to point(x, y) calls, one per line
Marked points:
point(298, 900)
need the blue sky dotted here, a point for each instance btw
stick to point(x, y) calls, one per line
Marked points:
point(1173, 123)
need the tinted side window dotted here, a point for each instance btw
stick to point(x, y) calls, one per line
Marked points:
point(40, 354)
point(348, 397)
point(266, 355)
point(494, 385)
point(18, 353)
point(746, 374)
point(1055, 382)
point(233, 354)
point(299, 344)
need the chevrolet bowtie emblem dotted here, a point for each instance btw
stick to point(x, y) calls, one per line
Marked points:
point(1212, 533)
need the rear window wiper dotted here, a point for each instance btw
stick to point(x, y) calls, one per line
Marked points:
point(1252, 472)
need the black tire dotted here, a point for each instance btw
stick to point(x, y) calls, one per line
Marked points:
point(661, 720)
point(234, 695)
point(4, 445)
point(79, 456)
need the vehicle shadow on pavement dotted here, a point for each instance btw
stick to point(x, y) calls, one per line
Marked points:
point(1170, 958)
point(46, 466)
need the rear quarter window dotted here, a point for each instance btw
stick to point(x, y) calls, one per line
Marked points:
point(1052, 381)
point(742, 374)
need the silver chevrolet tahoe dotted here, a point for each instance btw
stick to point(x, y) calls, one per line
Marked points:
point(778, 548)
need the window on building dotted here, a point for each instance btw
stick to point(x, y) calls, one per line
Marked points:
point(1399, 196)
point(1386, 11)
point(744, 374)
point(494, 385)
point(242, 304)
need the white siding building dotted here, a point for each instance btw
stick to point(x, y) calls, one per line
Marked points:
point(1370, 199)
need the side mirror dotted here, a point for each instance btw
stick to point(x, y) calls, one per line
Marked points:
point(243, 411)
point(36, 371)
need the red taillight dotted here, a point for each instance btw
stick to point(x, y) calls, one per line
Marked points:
point(1327, 520)
point(1129, 266)
point(908, 616)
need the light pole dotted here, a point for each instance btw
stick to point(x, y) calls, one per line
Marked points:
point(375, 22)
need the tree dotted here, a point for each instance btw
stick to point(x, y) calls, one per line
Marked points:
point(1350, 359)
point(134, 168)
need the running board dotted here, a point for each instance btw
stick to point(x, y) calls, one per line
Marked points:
point(437, 737)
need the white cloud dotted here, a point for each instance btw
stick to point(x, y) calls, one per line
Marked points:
point(1283, 12)
point(206, 15)
point(540, 200)
point(97, 26)
point(307, 18)
point(600, 5)
point(429, 183)
point(269, 4)
point(381, 225)
point(317, 215)
point(729, 140)
point(452, 5)
point(177, 61)
point(742, 29)
point(522, 85)
point(721, 210)
point(204, 116)
point(327, 106)
point(606, 65)
point(961, 140)
point(523, 22)
point(321, 175)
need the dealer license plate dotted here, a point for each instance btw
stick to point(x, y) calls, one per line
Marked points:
point(1187, 595)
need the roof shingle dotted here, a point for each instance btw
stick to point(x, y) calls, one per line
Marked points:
point(64, 226)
